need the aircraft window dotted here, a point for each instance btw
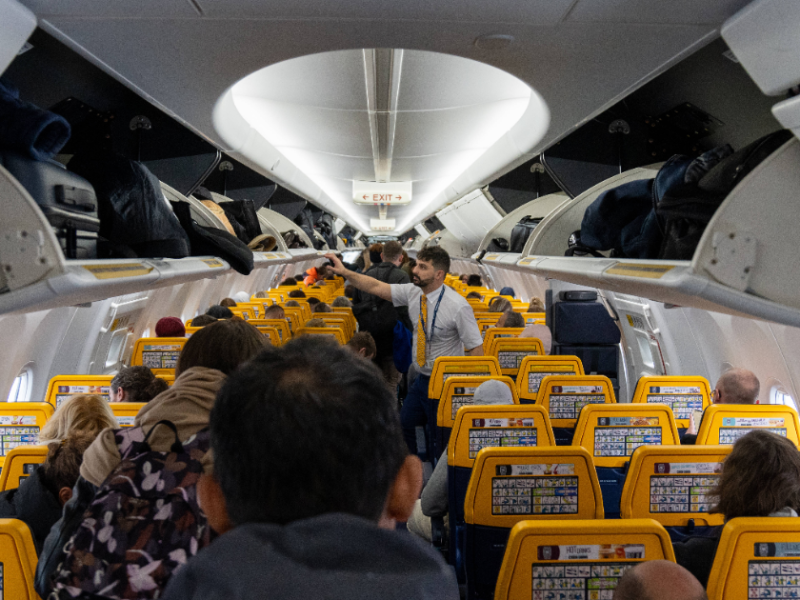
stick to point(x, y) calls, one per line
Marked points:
point(116, 348)
point(778, 396)
point(21, 388)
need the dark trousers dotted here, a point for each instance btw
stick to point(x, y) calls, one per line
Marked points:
point(415, 412)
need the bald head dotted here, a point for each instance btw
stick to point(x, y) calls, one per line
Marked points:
point(737, 386)
point(659, 580)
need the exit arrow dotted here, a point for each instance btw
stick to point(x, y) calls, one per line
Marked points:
point(364, 196)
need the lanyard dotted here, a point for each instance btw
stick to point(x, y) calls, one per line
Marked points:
point(433, 323)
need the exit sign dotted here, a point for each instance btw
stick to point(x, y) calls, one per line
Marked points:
point(371, 192)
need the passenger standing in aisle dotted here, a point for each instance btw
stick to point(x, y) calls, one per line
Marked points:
point(444, 325)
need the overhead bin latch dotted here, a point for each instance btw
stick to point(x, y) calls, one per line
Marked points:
point(734, 258)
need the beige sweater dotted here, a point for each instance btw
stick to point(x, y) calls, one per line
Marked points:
point(187, 404)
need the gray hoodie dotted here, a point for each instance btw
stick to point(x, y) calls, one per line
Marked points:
point(331, 557)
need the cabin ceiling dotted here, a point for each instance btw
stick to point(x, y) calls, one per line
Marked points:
point(579, 56)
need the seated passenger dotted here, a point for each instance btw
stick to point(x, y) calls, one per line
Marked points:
point(760, 478)
point(434, 502)
point(220, 312)
point(315, 274)
point(136, 384)
point(292, 304)
point(508, 291)
point(240, 297)
point(40, 497)
point(464, 278)
point(511, 319)
point(313, 301)
point(500, 304)
point(170, 327)
point(341, 301)
point(349, 291)
point(289, 282)
point(536, 305)
point(736, 386)
point(297, 294)
point(474, 296)
point(363, 344)
point(261, 295)
point(474, 280)
point(321, 307)
point(298, 278)
point(81, 413)
point(228, 303)
point(275, 312)
point(659, 580)
point(315, 323)
point(208, 357)
point(312, 514)
point(203, 320)
point(540, 332)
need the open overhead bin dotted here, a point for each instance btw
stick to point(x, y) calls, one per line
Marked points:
point(534, 210)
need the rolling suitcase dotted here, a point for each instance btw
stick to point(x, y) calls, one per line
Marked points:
point(66, 199)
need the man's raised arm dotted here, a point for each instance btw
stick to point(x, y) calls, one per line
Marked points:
point(365, 283)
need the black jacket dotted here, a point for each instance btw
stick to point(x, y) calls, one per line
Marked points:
point(696, 554)
point(33, 503)
point(379, 316)
point(333, 556)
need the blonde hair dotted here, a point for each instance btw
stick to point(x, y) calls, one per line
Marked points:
point(84, 413)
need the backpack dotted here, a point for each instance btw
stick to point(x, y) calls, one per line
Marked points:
point(143, 524)
point(401, 346)
point(379, 316)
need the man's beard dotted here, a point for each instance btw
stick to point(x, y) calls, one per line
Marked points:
point(421, 283)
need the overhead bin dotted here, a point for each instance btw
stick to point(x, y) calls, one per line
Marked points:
point(538, 208)
point(283, 224)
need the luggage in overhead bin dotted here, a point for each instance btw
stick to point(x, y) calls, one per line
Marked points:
point(66, 199)
point(521, 233)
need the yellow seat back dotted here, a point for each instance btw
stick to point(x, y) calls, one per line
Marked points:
point(445, 367)
point(62, 387)
point(757, 557)
point(333, 332)
point(281, 326)
point(294, 318)
point(564, 397)
point(510, 352)
point(672, 484)
point(726, 423)
point(18, 559)
point(160, 354)
point(332, 320)
point(533, 318)
point(511, 484)
point(20, 463)
point(20, 424)
point(505, 425)
point(126, 412)
point(611, 432)
point(499, 332)
point(459, 391)
point(683, 394)
point(535, 368)
point(245, 312)
point(586, 558)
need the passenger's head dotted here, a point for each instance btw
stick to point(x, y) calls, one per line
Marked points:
point(203, 320)
point(349, 291)
point(322, 435)
point(500, 304)
point(433, 264)
point(342, 301)
point(298, 278)
point(292, 304)
point(241, 297)
point(511, 319)
point(474, 296)
point(228, 302)
point(222, 346)
point(393, 253)
point(493, 392)
point(737, 386)
point(290, 281)
point(136, 384)
point(297, 294)
point(313, 301)
point(261, 295)
point(474, 280)
point(761, 475)
point(508, 291)
point(536, 305)
point(363, 344)
point(274, 312)
point(375, 251)
point(220, 312)
point(81, 413)
point(540, 332)
point(321, 308)
point(170, 327)
point(315, 323)
point(62, 466)
point(659, 580)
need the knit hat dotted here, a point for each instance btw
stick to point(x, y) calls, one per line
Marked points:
point(508, 291)
point(170, 327)
point(541, 332)
point(493, 392)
